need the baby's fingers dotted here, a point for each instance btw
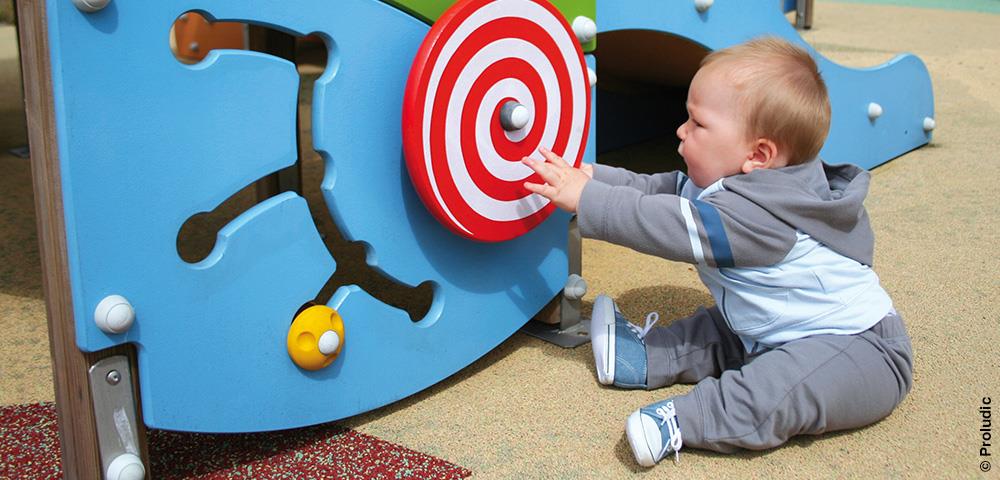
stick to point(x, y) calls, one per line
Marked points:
point(544, 190)
point(541, 168)
point(552, 158)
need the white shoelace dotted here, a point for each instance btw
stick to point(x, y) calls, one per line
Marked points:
point(668, 417)
point(651, 320)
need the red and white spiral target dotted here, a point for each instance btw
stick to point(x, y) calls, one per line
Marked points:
point(463, 150)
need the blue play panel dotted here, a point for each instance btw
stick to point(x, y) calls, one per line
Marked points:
point(147, 142)
point(901, 87)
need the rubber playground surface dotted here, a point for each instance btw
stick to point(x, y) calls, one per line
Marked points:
point(529, 409)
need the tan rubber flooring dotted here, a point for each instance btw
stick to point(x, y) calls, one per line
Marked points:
point(532, 410)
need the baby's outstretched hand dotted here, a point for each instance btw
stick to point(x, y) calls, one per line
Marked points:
point(563, 183)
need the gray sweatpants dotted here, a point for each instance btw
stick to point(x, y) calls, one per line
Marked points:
point(808, 386)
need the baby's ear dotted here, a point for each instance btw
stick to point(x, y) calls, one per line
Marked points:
point(763, 154)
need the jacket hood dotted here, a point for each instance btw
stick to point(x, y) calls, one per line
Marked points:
point(824, 201)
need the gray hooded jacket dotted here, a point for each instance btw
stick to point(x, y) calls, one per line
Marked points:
point(786, 253)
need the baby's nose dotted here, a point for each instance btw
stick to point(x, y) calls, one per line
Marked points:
point(681, 131)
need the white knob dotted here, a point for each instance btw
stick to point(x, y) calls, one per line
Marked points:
point(328, 342)
point(576, 287)
point(90, 6)
point(584, 28)
point(702, 5)
point(874, 111)
point(126, 467)
point(514, 116)
point(114, 314)
point(591, 76)
point(929, 124)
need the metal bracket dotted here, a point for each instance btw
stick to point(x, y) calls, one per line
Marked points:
point(571, 331)
point(115, 414)
point(571, 337)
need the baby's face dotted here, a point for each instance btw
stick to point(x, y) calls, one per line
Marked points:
point(713, 139)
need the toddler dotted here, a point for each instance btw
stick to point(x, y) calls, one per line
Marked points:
point(802, 339)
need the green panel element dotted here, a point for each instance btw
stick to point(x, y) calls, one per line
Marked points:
point(430, 10)
point(426, 10)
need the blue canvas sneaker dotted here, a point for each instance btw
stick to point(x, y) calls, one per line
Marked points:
point(653, 432)
point(619, 350)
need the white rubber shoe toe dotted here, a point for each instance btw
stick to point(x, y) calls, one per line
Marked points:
point(644, 438)
point(602, 338)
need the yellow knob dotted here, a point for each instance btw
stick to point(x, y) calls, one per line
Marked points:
point(316, 337)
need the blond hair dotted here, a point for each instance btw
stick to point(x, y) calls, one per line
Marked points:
point(780, 93)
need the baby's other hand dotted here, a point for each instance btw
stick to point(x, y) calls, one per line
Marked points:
point(563, 183)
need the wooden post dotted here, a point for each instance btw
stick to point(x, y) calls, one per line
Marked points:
point(77, 427)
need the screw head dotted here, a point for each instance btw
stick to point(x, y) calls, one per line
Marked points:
point(514, 116)
point(126, 466)
point(329, 342)
point(91, 6)
point(576, 287)
point(585, 29)
point(874, 111)
point(114, 314)
point(929, 124)
point(114, 377)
